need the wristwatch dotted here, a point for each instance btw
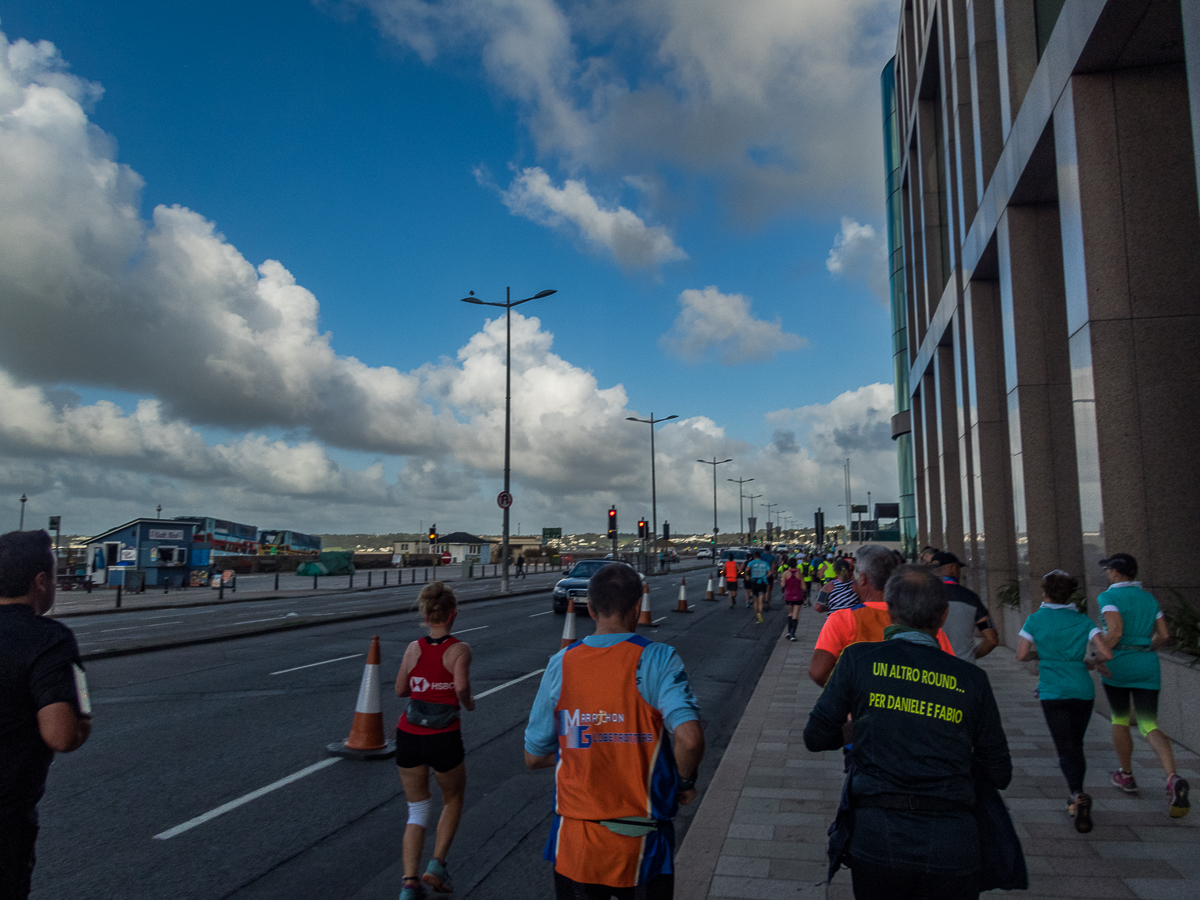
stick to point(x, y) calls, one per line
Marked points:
point(687, 784)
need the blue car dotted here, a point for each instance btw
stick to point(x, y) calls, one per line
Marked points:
point(576, 583)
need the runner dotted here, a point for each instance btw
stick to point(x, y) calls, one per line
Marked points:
point(839, 593)
point(1058, 635)
point(436, 674)
point(793, 596)
point(1134, 629)
point(756, 583)
point(731, 580)
point(769, 558)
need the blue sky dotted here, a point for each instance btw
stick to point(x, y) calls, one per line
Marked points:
point(680, 176)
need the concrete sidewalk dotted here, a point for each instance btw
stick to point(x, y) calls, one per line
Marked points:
point(760, 832)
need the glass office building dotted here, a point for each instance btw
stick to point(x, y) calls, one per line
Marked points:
point(1044, 233)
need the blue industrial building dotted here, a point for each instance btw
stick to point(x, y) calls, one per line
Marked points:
point(161, 552)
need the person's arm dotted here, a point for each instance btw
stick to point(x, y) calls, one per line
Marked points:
point(541, 735)
point(461, 667)
point(991, 640)
point(689, 751)
point(1026, 650)
point(1162, 636)
point(991, 757)
point(826, 722)
point(1099, 648)
point(1116, 627)
point(821, 666)
point(62, 728)
point(412, 653)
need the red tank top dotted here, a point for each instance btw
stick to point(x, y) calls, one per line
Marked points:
point(432, 682)
point(793, 587)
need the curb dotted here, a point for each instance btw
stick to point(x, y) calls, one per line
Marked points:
point(411, 606)
point(696, 861)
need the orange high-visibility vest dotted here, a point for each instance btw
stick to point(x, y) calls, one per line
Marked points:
point(614, 762)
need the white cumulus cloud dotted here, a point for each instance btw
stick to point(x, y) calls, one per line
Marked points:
point(618, 231)
point(711, 321)
point(860, 254)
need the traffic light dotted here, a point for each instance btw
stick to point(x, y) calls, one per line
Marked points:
point(612, 523)
point(432, 535)
point(642, 533)
point(666, 531)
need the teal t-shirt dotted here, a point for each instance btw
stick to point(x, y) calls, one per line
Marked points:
point(1134, 663)
point(1061, 633)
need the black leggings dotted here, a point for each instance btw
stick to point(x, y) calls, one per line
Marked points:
point(1068, 721)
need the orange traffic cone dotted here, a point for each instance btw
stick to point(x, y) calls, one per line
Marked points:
point(366, 739)
point(708, 593)
point(568, 635)
point(644, 616)
point(682, 605)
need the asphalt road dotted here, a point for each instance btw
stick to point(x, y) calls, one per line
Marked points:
point(182, 732)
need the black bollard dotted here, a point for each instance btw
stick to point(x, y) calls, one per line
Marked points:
point(166, 585)
point(276, 581)
point(89, 585)
point(220, 588)
point(414, 576)
point(427, 575)
point(233, 587)
point(369, 574)
point(385, 577)
point(314, 582)
point(118, 596)
point(352, 579)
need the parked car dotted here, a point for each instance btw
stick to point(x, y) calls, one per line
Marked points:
point(576, 582)
point(704, 553)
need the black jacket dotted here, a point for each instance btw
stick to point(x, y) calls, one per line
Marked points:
point(925, 724)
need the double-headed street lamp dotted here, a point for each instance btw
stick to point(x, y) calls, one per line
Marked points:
point(714, 464)
point(752, 498)
point(505, 498)
point(653, 495)
point(741, 506)
point(21, 527)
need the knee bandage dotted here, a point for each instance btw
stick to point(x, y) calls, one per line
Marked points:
point(418, 813)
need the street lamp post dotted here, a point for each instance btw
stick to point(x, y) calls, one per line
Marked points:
point(21, 527)
point(769, 506)
point(750, 535)
point(653, 495)
point(714, 464)
point(507, 306)
point(159, 511)
point(741, 506)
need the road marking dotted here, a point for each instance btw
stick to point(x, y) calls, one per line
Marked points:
point(476, 628)
point(246, 798)
point(546, 613)
point(509, 684)
point(324, 662)
point(133, 627)
point(656, 621)
point(272, 619)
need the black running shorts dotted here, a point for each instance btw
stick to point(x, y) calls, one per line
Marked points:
point(441, 752)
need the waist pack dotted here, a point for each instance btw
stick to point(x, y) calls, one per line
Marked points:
point(431, 715)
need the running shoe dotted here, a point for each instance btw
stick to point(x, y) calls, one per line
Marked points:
point(1080, 809)
point(1125, 781)
point(437, 877)
point(791, 637)
point(1177, 797)
point(412, 890)
point(758, 618)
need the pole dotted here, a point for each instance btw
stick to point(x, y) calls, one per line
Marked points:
point(847, 471)
point(507, 425)
point(653, 495)
point(21, 527)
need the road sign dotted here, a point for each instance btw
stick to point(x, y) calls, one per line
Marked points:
point(551, 534)
point(504, 499)
point(55, 523)
point(859, 508)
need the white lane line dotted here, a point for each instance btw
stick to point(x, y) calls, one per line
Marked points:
point(303, 773)
point(246, 798)
point(476, 628)
point(272, 619)
point(323, 662)
point(134, 627)
point(508, 684)
point(656, 621)
point(546, 613)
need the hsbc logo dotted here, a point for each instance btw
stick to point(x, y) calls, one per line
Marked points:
point(419, 685)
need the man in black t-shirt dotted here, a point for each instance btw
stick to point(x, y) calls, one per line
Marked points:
point(968, 624)
point(43, 698)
